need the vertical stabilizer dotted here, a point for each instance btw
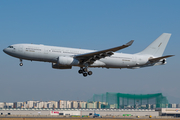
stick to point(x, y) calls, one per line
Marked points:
point(157, 47)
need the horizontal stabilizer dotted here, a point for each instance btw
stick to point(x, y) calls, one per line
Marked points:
point(159, 58)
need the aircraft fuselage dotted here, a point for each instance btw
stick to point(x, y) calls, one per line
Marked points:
point(65, 58)
point(50, 54)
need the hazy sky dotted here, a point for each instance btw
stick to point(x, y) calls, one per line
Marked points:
point(94, 24)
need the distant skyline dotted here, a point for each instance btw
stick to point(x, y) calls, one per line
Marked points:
point(92, 24)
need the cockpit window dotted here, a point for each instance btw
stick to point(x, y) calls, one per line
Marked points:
point(10, 46)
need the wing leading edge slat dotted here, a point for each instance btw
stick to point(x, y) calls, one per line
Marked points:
point(110, 51)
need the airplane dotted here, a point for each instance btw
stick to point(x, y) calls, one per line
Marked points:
point(65, 58)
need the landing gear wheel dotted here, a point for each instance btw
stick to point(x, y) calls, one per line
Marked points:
point(84, 74)
point(90, 73)
point(21, 64)
point(84, 71)
point(80, 71)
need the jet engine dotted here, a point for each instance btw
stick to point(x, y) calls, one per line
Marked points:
point(56, 66)
point(67, 61)
point(163, 61)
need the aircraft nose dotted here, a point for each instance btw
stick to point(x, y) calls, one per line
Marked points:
point(4, 50)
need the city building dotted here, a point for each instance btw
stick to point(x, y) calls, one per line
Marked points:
point(62, 104)
point(18, 105)
point(69, 104)
point(74, 104)
point(8, 105)
point(54, 104)
point(41, 104)
point(172, 106)
point(1, 105)
point(82, 104)
point(177, 105)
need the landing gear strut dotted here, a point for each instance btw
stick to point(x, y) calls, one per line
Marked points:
point(85, 71)
point(21, 64)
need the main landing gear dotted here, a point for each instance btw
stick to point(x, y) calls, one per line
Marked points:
point(84, 71)
point(21, 64)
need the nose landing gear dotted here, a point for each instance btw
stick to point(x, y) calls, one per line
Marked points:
point(85, 71)
point(21, 64)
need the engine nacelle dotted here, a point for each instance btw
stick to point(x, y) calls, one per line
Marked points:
point(56, 66)
point(67, 61)
point(163, 61)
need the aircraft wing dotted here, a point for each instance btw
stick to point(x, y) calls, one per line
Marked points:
point(93, 56)
point(159, 58)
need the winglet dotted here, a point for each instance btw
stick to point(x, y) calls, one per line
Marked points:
point(129, 43)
